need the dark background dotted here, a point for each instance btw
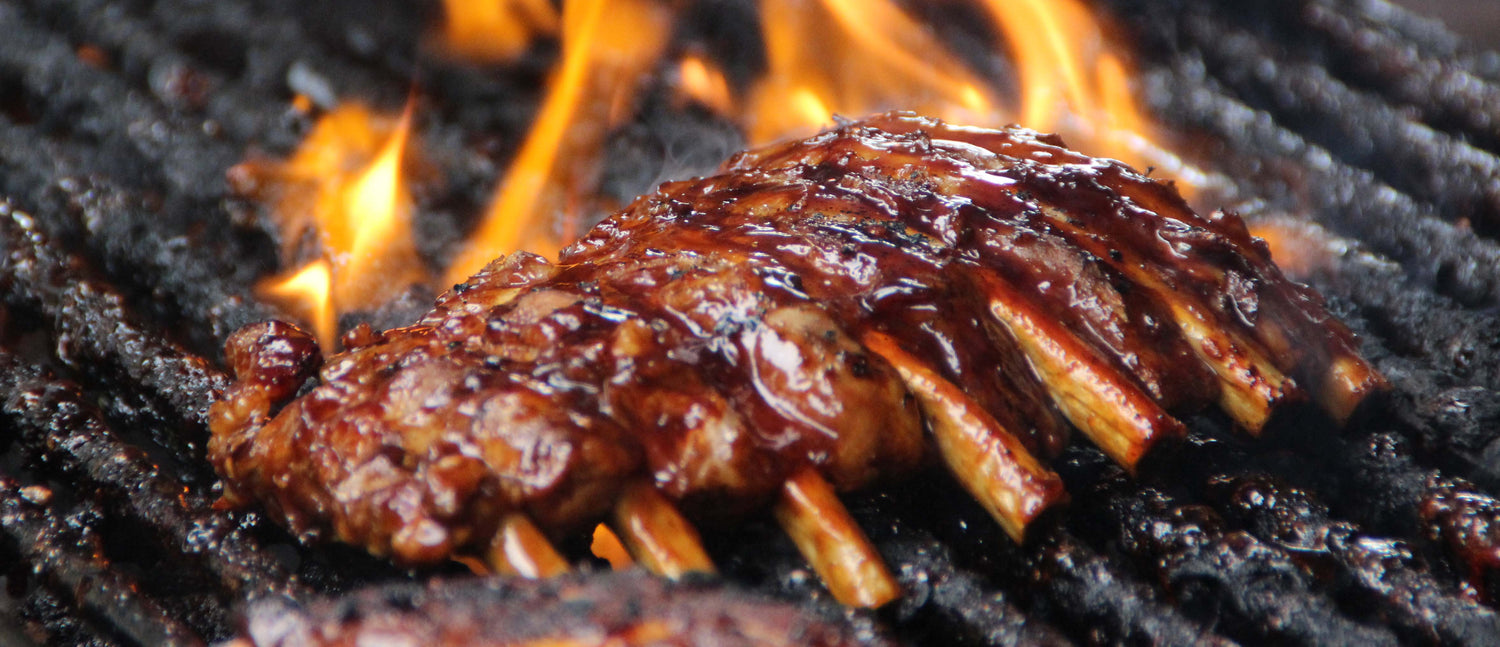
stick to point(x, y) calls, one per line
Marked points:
point(1477, 20)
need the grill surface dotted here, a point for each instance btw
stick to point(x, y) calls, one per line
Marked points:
point(1378, 127)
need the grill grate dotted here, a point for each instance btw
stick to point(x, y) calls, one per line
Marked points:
point(1374, 124)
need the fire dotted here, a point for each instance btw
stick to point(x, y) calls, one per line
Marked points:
point(1299, 248)
point(307, 293)
point(607, 546)
point(852, 58)
point(607, 46)
point(495, 30)
point(823, 58)
point(1069, 82)
point(342, 195)
point(699, 80)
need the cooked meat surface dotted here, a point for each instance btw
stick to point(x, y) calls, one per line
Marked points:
point(622, 609)
point(835, 303)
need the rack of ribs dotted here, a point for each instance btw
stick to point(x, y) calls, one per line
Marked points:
point(818, 315)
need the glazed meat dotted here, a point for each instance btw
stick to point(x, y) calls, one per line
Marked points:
point(827, 311)
point(617, 609)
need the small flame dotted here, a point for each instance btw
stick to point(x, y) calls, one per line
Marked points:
point(307, 294)
point(607, 546)
point(1070, 83)
point(852, 58)
point(490, 31)
point(344, 189)
point(1300, 249)
point(699, 80)
point(607, 45)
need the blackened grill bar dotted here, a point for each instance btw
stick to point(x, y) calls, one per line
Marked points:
point(1454, 176)
point(1286, 526)
point(205, 285)
point(1449, 95)
point(1250, 590)
point(97, 336)
point(1382, 571)
point(64, 435)
point(112, 179)
point(68, 557)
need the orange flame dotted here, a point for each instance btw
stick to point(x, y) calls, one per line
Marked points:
point(607, 546)
point(495, 30)
point(1071, 83)
point(852, 58)
point(1299, 248)
point(344, 189)
point(607, 45)
point(823, 58)
point(307, 293)
point(699, 80)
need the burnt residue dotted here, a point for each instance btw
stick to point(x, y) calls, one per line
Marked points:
point(71, 563)
point(624, 608)
point(1364, 570)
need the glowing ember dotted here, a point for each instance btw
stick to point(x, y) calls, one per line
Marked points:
point(495, 30)
point(341, 198)
point(607, 45)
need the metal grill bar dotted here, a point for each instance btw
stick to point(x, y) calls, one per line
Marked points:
point(77, 568)
point(58, 428)
point(1459, 179)
point(1382, 573)
point(97, 335)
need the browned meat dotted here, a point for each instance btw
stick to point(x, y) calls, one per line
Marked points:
point(615, 610)
point(816, 306)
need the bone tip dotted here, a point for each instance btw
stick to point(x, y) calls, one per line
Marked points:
point(520, 548)
point(1348, 384)
point(1129, 450)
point(832, 542)
point(657, 535)
point(1050, 494)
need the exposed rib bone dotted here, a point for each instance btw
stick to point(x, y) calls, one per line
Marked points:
point(811, 514)
point(986, 458)
point(657, 534)
point(1115, 413)
point(519, 548)
point(1251, 384)
point(1347, 382)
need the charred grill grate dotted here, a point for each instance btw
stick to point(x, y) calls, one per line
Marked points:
point(1376, 125)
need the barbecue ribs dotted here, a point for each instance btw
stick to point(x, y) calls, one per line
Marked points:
point(821, 313)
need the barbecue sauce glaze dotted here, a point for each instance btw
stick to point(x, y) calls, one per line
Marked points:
point(707, 339)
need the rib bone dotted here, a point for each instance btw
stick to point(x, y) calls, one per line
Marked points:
point(811, 514)
point(519, 548)
point(657, 535)
point(986, 458)
point(1113, 412)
